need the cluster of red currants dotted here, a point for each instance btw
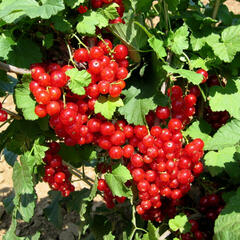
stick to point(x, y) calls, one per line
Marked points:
point(162, 167)
point(108, 196)
point(211, 206)
point(216, 119)
point(3, 114)
point(182, 107)
point(120, 9)
point(107, 66)
point(195, 232)
point(56, 174)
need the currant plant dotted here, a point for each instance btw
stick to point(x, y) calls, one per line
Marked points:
point(144, 92)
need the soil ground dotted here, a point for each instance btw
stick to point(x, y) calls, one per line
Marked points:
point(39, 222)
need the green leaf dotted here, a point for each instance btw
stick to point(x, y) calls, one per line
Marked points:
point(78, 80)
point(172, 4)
point(48, 40)
point(109, 237)
point(199, 129)
point(73, 3)
point(137, 104)
point(24, 53)
point(180, 222)
point(216, 161)
point(10, 157)
point(152, 232)
point(23, 186)
point(39, 151)
point(107, 106)
point(178, 41)
point(157, 46)
point(6, 44)
point(226, 136)
point(24, 101)
point(61, 24)
point(53, 211)
point(226, 98)
point(11, 11)
point(117, 179)
point(100, 18)
point(227, 225)
point(230, 45)
point(78, 155)
point(191, 76)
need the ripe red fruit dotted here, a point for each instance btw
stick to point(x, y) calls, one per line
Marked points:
point(97, 3)
point(120, 52)
point(95, 66)
point(36, 71)
point(103, 87)
point(106, 45)
point(43, 97)
point(41, 111)
point(3, 115)
point(175, 92)
point(58, 79)
point(115, 152)
point(102, 185)
point(82, 9)
point(107, 74)
point(137, 160)
point(53, 107)
point(53, 67)
point(162, 112)
point(194, 224)
point(122, 73)
point(81, 55)
point(96, 53)
point(55, 93)
point(107, 128)
point(204, 73)
point(68, 116)
point(94, 125)
point(195, 91)
point(115, 90)
point(143, 186)
point(128, 151)
point(175, 125)
point(190, 100)
point(60, 177)
point(118, 138)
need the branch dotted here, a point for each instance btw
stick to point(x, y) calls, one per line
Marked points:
point(215, 10)
point(165, 235)
point(12, 114)
point(10, 68)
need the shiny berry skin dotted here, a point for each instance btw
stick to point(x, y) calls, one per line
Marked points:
point(40, 110)
point(94, 125)
point(44, 79)
point(107, 74)
point(81, 55)
point(103, 87)
point(194, 224)
point(140, 131)
point(115, 90)
point(143, 186)
point(93, 91)
point(53, 107)
point(204, 73)
point(122, 73)
point(175, 125)
point(199, 143)
point(175, 92)
point(118, 138)
point(53, 67)
point(123, 63)
point(213, 200)
point(195, 91)
point(3, 115)
point(58, 79)
point(128, 151)
point(106, 45)
point(148, 141)
point(36, 71)
point(120, 52)
point(184, 176)
point(60, 177)
point(190, 100)
point(56, 161)
point(121, 83)
point(96, 53)
point(95, 66)
point(107, 1)
point(176, 194)
point(137, 160)
point(140, 210)
point(33, 86)
point(162, 112)
point(68, 116)
point(54, 147)
point(102, 185)
point(107, 129)
point(114, 66)
point(43, 97)
point(198, 235)
point(115, 152)
point(55, 93)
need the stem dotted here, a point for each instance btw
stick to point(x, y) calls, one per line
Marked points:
point(9, 68)
point(143, 28)
point(80, 42)
point(14, 115)
point(203, 94)
point(166, 17)
point(165, 235)
point(64, 97)
point(70, 53)
point(5, 98)
point(216, 7)
point(189, 62)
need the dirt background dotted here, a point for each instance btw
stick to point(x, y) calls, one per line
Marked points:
point(39, 222)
